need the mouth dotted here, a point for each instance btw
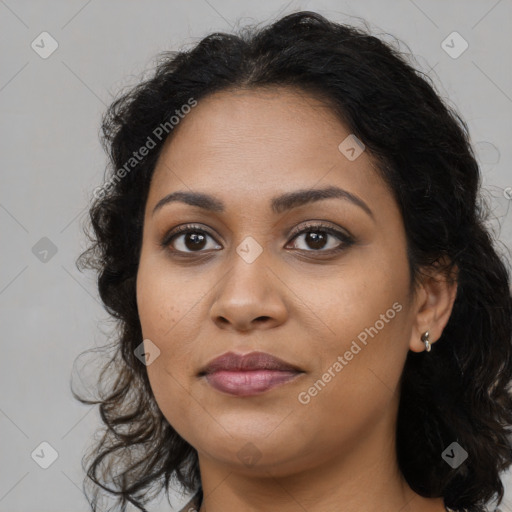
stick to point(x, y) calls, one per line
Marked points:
point(248, 375)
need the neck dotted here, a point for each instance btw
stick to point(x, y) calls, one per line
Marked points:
point(364, 476)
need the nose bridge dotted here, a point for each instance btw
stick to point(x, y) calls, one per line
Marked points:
point(248, 276)
point(249, 290)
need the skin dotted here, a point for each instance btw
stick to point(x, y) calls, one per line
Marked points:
point(337, 452)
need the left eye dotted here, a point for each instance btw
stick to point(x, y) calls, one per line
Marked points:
point(317, 237)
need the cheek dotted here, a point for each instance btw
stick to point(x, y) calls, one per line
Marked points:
point(363, 311)
point(357, 296)
point(168, 307)
point(164, 299)
point(360, 366)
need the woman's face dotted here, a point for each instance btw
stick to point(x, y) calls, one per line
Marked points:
point(335, 306)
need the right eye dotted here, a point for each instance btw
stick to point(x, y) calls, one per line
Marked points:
point(187, 239)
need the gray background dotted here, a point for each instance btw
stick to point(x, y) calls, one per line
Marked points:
point(52, 160)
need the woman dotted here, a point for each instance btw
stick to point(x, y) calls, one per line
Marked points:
point(312, 315)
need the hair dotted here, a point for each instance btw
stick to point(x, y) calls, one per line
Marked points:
point(459, 392)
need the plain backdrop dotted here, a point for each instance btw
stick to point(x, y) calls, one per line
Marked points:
point(51, 158)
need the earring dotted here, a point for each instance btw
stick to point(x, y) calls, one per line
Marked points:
point(425, 340)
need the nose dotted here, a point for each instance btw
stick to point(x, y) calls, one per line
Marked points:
point(250, 296)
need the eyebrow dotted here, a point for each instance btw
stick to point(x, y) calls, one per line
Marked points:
point(279, 204)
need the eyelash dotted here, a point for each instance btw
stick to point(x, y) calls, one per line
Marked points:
point(346, 240)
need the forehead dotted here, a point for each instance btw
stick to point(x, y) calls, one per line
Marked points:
point(239, 142)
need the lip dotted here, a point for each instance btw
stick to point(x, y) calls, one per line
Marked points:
point(230, 361)
point(248, 374)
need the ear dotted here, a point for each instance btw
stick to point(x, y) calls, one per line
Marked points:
point(434, 300)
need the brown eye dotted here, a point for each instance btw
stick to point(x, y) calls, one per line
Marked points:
point(320, 238)
point(188, 239)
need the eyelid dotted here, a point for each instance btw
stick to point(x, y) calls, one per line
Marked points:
point(320, 225)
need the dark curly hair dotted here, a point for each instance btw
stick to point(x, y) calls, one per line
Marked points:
point(460, 392)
